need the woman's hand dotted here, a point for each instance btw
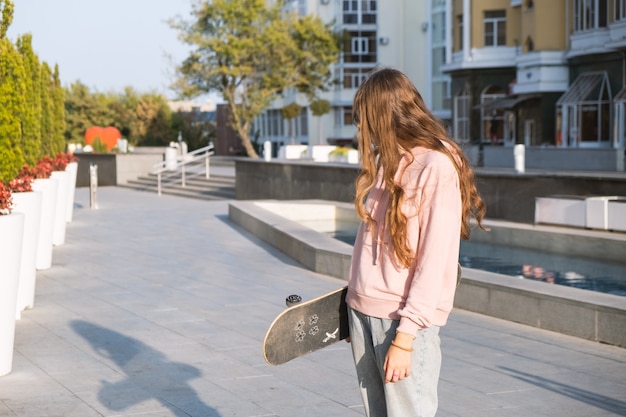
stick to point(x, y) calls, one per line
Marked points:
point(398, 359)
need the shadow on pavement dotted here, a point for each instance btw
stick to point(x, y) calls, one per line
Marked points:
point(149, 374)
point(602, 402)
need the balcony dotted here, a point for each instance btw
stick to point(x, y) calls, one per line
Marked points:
point(492, 57)
point(541, 72)
point(589, 42)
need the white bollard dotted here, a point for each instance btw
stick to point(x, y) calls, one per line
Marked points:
point(519, 155)
point(267, 150)
point(93, 186)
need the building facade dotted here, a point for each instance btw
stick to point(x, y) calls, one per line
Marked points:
point(393, 33)
point(539, 73)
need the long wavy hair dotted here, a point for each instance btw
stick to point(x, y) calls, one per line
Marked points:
point(392, 119)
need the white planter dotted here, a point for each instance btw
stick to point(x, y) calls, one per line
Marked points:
point(617, 215)
point(49, 188)
point(11, 232)
point(29, 204)
point(60, 217)
point(561, 209)
point(72, 170)
point(597, 212)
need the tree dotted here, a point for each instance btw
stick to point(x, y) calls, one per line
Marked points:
point(84, 109)
point(12, 108)
point(47, 147)
point(57, 94)
point(6, 18)
point(251, 52)
point(290, 112)
point(154, 120)
point(318, 109)
point(31, 122)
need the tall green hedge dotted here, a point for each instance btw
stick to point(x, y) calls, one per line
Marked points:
point(31, 123)
point(12, 108)
point(47, 147)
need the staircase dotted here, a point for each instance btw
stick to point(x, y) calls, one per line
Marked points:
point(215, 188)
point(219, 186)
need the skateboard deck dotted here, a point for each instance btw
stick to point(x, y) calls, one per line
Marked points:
point(307, 327)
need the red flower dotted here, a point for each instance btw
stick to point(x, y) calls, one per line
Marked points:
point(6, 202)
point(22, 183)
point(43, 169)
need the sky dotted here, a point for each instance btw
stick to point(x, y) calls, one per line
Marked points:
point(106, 44)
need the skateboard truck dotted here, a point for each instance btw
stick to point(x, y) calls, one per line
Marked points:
point(292, 300)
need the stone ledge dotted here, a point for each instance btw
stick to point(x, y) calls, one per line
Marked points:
point(572, 311)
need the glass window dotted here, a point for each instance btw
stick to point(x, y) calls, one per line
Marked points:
point(361, 47)
point(304, 123)
point(461, 116)
point(586, 110)
point(620, 10)
point(495, 28)
point(343, 116)
point(460, 26)
point(357, 12)
point(591, 14)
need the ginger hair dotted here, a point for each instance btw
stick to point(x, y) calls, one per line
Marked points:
point(392, 119)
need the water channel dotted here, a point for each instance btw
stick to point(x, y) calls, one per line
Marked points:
point(588, 274)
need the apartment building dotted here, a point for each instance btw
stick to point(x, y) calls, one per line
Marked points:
point(538, 72)
point(392, 33)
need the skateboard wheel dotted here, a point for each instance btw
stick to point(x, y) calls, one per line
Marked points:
point(293, 300)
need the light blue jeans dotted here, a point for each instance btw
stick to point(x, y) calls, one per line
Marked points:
point(415, 396)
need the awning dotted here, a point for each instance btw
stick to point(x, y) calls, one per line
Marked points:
point(621, 96)
point(508, 102)
point(587, 88)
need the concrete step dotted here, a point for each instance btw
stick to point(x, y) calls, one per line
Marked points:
point(214, 188)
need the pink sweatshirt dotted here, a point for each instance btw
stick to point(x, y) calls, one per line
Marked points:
point(421, 295)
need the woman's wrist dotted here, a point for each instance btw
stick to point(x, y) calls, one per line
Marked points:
point(403, 341)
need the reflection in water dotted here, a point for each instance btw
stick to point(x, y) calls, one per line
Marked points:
point(600, 276)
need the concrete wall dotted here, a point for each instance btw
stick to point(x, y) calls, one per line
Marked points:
point(508, 196)
point(131, 166)
point(294, 180)
point(553, 159)
point(114, 169)
point(107, 169)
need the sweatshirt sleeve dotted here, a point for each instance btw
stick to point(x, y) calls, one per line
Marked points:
point(434, 233)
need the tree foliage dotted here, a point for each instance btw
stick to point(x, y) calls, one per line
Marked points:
point(251, 52)
point(12, 107)
point(6, 17)
point(144, 119)
point(31, 121)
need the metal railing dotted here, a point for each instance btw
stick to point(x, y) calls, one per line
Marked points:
point(187, 163)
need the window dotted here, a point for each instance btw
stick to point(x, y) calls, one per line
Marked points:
point(353, 77)
point(495, 28)
point(461, 116)
point(492, 120)
point(585, 110)
point(460, 26)
point(356, 12)
point(620, 10)
point(343, 116)
point(304, 122)
point(361, 47)
point(590, 14)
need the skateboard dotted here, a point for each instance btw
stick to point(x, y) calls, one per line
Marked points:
point(306, 327)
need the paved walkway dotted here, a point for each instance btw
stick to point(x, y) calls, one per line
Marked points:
point(157, 306)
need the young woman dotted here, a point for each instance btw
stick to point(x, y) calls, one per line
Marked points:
point(415, 195)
